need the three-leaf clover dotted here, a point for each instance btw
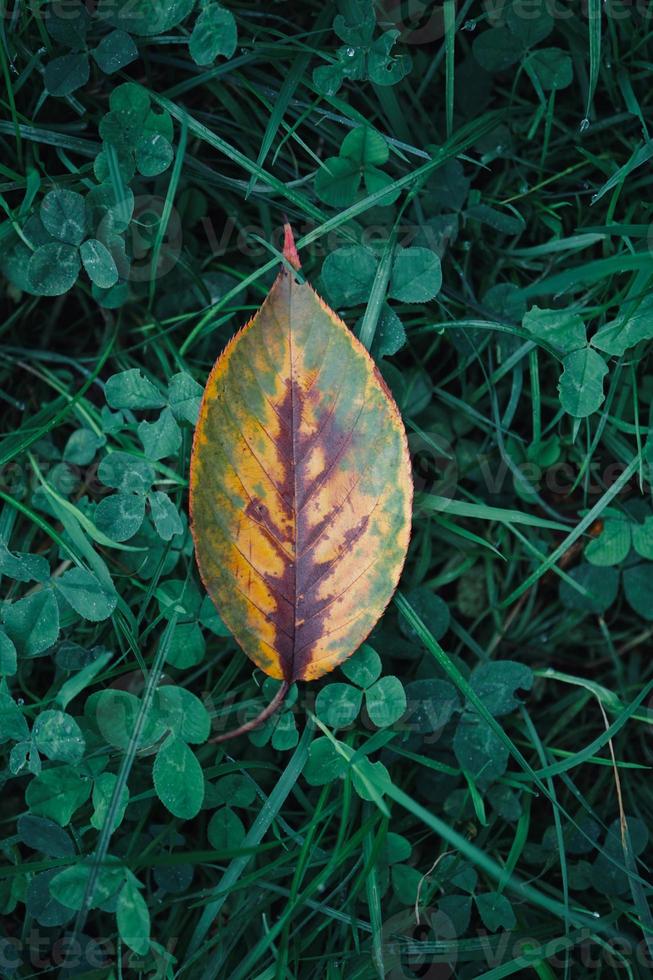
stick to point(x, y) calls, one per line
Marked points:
point(59, 235)
point(69, 27)
point(31, 624)
point(482, 755)
point(362, 153)
point(361, 56)
point(338, 704)
point(613, 556)
point(501, 47)
point(140, 137)
point(581, 382)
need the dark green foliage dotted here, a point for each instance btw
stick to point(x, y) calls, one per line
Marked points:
point(468, 184)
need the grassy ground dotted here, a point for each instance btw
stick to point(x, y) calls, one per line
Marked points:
point(485, 813)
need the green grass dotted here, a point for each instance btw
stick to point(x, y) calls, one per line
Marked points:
point(470, 794)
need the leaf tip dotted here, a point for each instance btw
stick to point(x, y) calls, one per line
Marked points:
point(289, 248)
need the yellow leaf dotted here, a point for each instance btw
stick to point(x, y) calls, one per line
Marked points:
point(300, 485)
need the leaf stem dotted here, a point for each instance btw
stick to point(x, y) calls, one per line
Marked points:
point(266, 713)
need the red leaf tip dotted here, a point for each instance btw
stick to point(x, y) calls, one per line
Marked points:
point(289, 247)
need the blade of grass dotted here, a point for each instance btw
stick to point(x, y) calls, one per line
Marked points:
point(259, 828)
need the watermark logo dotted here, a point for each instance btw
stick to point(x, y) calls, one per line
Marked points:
point(434, 468)
point(418, 21)
point(155, 247)
point(421, 944)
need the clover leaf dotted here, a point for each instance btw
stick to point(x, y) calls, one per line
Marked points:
point(362, 153)
point(361, 57)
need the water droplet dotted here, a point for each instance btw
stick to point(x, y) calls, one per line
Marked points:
point(594, 198)
point(20, 701)
point(585, 125)
point(469, 25)
point(351, 52)
point(523, 187)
